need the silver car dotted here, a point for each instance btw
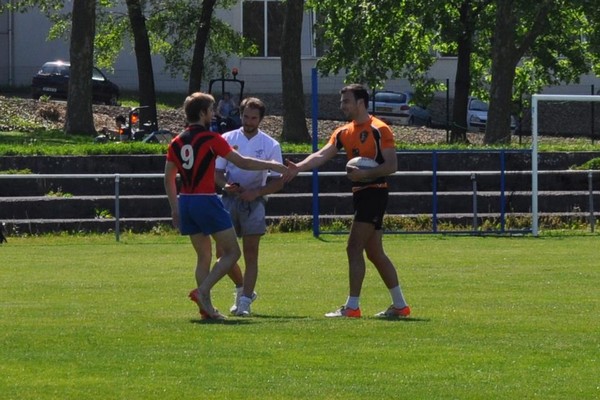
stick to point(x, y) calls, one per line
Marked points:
point(477, 115)
point(399, 108)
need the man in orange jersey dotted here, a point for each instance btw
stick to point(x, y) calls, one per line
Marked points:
point(363, 136)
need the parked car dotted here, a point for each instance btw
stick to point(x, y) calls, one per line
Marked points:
point(53, 80)
point(477, 115)
point(399, 108)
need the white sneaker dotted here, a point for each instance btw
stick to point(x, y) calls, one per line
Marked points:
point(243, 309)
point(238, 295)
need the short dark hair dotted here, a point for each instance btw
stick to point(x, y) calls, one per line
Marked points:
point(195, 104)
point(359, 92)
point(255, 103)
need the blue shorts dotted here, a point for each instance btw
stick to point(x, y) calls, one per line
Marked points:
point(202, 213)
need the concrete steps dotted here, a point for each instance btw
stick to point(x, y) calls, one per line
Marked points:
point(43, 204)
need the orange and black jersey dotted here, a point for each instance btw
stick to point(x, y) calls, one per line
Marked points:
point(367, 139)
point(194, 152)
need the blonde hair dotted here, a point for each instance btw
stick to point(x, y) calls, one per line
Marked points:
point(197, 103)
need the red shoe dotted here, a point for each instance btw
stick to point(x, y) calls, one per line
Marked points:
point(193, 295)
point(393, 312)
point(344, 311)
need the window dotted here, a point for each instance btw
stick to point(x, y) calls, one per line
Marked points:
point(262, 23)
point(97, 75)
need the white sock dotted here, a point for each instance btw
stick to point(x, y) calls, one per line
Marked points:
point(398, 297)
point(352, 302)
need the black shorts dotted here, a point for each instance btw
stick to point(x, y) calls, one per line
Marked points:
point(370, 205)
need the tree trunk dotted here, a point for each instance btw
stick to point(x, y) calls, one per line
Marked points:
point(294, 119)
point(202, 35)
point(80, 118)
point(147, 93)
point(503, 73)
point(507, 50)
point(462, 80)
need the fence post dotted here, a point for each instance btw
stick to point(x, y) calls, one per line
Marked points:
point(447, 110)
point(117, 208)
point(474, 183)
point(593, 117)
point(434, 167)
point(315, 146)
point(591, 189)
point(502, 191)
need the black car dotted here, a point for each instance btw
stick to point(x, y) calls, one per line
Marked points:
point(53, 80)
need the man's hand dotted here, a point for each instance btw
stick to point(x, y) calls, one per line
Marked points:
point(292, 171)
point(232, 188)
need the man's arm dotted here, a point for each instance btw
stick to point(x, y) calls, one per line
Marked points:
point(255, 164)
point(273, 185)
point(170, 182)
point(220, 179)
point(314, 160)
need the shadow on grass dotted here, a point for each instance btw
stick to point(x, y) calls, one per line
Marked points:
point(396, 319)
point(229, 321)
point(257, 318)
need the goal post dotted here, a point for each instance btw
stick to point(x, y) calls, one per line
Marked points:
point(535, 99)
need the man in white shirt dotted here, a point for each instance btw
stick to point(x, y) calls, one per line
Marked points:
point(244, 195)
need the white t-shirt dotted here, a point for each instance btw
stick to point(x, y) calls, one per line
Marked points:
point(261, 146)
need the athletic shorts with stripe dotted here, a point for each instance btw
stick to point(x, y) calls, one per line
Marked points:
point(370, 205)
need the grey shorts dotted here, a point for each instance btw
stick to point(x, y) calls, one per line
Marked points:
point(248, 217)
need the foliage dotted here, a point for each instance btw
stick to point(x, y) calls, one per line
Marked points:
point(173, 26)
point(374, 41)
point(556, 57)
point(58, 193)
point(594, 164)
point(102, 213)
point(292, 223)
point(42, 142)
point(24, 171)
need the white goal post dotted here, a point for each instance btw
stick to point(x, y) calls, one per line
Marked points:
point(534, 145)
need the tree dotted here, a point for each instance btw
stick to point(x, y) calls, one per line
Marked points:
point(373, 41)
point(80, 117)
point(143, 58)
point(459, 20)
point(539, 43)
point(294, 119)
point(187, 24)
point(202, 35)
point(506, 53)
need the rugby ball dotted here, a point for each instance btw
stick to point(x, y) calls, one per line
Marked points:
point(361, 163)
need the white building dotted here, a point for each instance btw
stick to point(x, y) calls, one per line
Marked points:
point(24, 48)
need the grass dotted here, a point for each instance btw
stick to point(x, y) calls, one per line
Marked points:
point(494, 317)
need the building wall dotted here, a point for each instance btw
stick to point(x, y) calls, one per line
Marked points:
point(30, 49)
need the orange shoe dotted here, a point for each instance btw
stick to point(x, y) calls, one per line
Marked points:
point(193, 295)
point(393, 312)
point(344, 311)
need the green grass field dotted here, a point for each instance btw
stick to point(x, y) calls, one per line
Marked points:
point(493, 318)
